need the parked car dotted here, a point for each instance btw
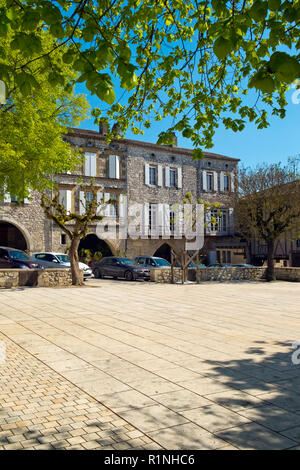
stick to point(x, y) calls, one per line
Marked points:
point(152, 262)
point(60, 260)
point(192, 265)
point(116, 267)
point(11, 258)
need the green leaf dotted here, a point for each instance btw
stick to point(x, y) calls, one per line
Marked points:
point(259, 11)
point(262, 82)
point(198, 154)
point(274, 5)
point(285, 67)
point(222, 47)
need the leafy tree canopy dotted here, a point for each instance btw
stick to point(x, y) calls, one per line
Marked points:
point(34, 118)
point(192, 60)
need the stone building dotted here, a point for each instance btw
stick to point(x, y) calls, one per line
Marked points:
point(131, 172)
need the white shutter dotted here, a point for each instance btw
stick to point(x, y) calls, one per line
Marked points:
point(204, 180)
point(166, 221)
point(222, 185)
point(93, 163)
point(146, 218)
point(179, 178)
point(122, 205)
point(27, 199)
point(146, 169)
point(99, 202)
point(230, 221)
point(81, 203)
point(87, 166)
point(160, 218)
point(68, 204)
point(112, 166)
point(232, 181)
point(159, 175)
point(117, 165)
point(7, 197)
point(167, 177)
point(215, 181)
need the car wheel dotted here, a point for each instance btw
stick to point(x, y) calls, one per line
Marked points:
point(129, 276)
point(97, 273)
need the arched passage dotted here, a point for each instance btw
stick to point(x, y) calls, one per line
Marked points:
point(94, 244)
point(12, 236)
point(164, 251)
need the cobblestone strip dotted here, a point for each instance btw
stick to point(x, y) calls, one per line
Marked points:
point(39, 409)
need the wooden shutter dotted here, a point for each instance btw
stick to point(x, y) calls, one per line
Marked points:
point(179, 178)
point(146, 170)
point(204, 180)
point(215, 181)
point(159, 175)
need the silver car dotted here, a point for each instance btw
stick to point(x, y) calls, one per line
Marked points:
point(60, 260)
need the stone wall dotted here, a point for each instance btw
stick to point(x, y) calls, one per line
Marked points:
point(288, 274)
point(163, 275)
point(35, 277)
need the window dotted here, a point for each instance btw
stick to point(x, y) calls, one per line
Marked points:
point(90, 167)
point(173, 178)
point(226, 183)
point(112, 208)
point(63, 239)
point(114, 166)
point(89, 198)
point(218, 220)
point(14, 199)
point(209, 181)
point(298, 243)
point(172, 221)
point(152, 175)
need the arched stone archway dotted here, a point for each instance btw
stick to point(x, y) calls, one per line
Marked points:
point(93, 243)
point(12, 234)
point(164, 251)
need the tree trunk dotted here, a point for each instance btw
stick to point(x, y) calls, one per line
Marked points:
point(77, 279)
point(271, 269)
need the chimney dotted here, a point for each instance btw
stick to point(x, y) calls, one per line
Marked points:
point(116, 129)
point(103, 128)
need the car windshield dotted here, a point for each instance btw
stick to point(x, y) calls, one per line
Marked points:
point(63, 258)
point(18, 255)
point(126, 261)
point(161, 262)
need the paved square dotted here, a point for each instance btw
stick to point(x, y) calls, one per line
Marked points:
point(125, 365)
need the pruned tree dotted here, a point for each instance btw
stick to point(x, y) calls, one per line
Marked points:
point(268, 206)
point(193, 219)
point(73, 224)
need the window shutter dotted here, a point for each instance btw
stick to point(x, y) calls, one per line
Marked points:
point(81, 203)
point(122, 205)
point(93, 163)
point(167, 177)
point(87, 166)
point(117, 166)
point(232, 181)
point(215, 181)
point(159, 175)
point(179, 178)
point(146, 169)
point(204, 180)
point(230, 221)
point(160, 218)
point(112, 166)
point(7, 197)
point(222, 184)
point(68, 205)
point(166, 221)
point(99, 202)
point(145, 218)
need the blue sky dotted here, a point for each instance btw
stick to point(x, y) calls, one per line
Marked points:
point(252, 146)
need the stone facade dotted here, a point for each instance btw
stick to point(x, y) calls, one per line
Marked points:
point(132, 159)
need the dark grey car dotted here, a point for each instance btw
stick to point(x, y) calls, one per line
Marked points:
point(116, 267)
point(151, 262)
